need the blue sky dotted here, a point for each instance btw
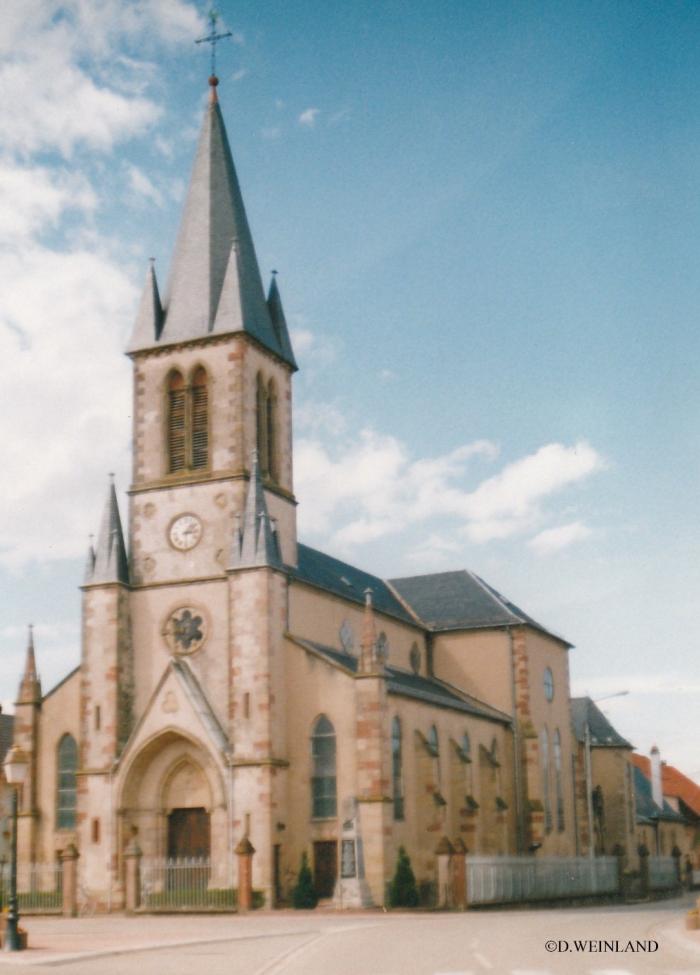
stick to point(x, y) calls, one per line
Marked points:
point(486, 219)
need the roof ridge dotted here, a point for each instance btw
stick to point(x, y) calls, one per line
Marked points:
point(493, 594)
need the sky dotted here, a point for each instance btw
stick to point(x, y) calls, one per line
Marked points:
point(486, 222)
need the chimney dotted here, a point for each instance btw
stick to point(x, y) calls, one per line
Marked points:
point(656, 787)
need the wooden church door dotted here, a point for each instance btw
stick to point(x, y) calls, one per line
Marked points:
point(188, 833)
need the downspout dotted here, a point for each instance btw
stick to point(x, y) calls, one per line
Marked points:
point(517, 755)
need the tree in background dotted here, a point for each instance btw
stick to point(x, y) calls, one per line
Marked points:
point(304, 894)
point(403, 891)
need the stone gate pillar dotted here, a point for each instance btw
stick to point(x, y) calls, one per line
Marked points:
point(132, 858)
point(69, 869)
point(244, 851)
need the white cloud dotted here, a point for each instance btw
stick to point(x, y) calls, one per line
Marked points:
point(141, 186)
point(33, 198)
point(271, 132)
point(239, 75)
point(554, 539)
point(308, 117)
point(370, 488)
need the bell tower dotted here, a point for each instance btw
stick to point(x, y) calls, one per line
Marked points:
point(213, 365)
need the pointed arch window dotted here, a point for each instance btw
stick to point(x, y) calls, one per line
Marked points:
point(199, 397)
point(188, 421)
point(323, 769)
point(558, 786)
point(67, 786)
point(266, 426)
point(544, 761)
point(271, 420)
point(177, 422)
point(397, 768)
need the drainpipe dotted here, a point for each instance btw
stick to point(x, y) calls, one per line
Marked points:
point(517, 755)
point(589, 792)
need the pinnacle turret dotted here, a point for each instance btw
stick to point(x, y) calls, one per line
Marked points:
point(279, 322)
point(149, 320)
point(110, 561)
point(30, 685)
point(369, 658)
point(255, 541)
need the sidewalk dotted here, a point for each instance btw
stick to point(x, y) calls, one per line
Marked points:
point(56, 940)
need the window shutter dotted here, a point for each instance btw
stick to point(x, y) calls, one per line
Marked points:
point(200, 420)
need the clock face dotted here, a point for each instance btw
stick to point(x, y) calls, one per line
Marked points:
point(185, 532)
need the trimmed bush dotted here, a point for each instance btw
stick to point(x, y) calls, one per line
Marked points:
point(403, 891)
point(304, 894)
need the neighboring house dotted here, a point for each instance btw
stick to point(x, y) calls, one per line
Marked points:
point(660, 827)
point(6, 723)
point(682, 796)
point(602, 767)
point(235, 683)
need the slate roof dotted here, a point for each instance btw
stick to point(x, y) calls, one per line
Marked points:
point(404, 684)
point(215, 285)
point(646, 809)
point(323, 571)
point(461, 601)
point(602, 733)
point(6, 725)
point(110, 563)
point(673, 783)
point(255, 543)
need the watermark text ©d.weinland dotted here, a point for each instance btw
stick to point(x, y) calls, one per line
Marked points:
point(600, 946)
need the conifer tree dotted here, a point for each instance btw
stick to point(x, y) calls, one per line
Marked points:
point(403, 891)
point(304, 894)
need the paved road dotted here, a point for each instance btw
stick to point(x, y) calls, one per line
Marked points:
point(475, 943)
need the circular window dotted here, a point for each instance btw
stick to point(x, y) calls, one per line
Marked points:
point(185, 630)
point(347, 637)
point(548, 683)
point(382, 647)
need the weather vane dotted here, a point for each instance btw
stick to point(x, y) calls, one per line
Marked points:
point(213, 38)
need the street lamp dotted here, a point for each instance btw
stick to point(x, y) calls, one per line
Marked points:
point(15, 765)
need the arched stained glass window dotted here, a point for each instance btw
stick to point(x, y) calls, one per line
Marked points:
point(396, 768)
point(67, 789)
point(558, 785)
point(546, 797)
point(323, 769)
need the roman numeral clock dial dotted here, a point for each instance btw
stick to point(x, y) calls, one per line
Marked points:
point(185, 532)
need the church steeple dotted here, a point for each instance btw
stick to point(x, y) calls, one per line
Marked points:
point(215, 285)
point(255, 541)
point(279, 322)
point(110, 561)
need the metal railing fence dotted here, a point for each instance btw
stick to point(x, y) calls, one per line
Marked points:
point(507, 880)
point(663, 874)
point(182, 883)
point(39, 887)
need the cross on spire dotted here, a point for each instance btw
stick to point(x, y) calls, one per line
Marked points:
point(213, 38)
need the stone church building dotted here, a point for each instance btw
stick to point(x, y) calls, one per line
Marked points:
point(235, 682)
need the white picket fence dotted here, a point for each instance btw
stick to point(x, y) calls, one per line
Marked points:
point(662, 873)
point(183, 883)
point(39, 887)
point(508, 880)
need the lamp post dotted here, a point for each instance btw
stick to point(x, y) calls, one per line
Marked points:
point(589, 771)
point(15, 765)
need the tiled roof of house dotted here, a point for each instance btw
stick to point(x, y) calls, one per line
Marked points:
point(404, 684)
point(602, 733)
point(646, 808)
point(461, 600)
point(318, 569)
point(6, 725)
point(673, 783)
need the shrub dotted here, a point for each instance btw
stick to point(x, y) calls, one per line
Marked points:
point(304, 894)
point(403, 891)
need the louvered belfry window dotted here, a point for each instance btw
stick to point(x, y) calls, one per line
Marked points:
point(177, 423)
point(266, 426)
point(188, 421)
point(200, 419)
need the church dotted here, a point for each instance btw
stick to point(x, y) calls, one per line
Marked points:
point(237, 685)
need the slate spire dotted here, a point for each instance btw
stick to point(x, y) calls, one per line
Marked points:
point(255, 541)
point(110, 562)
point(279, 322)
point(149, 320)
point(30, 685)
point(215, 285)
